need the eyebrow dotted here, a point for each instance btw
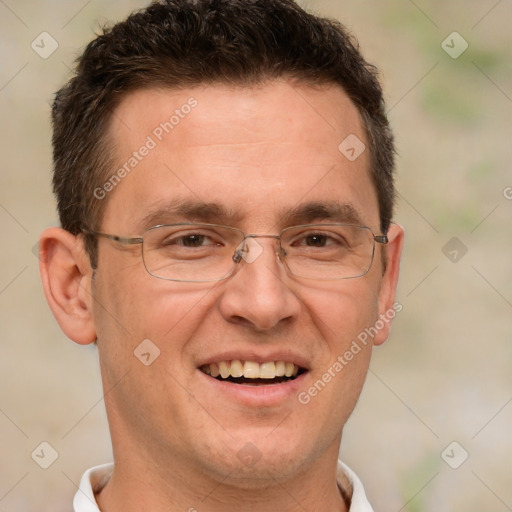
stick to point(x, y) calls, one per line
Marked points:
point(318, 211)
point(183, 210)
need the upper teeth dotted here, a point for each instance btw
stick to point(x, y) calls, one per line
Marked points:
point(251, 369)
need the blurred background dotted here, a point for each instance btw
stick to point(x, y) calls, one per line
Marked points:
point(432, 430)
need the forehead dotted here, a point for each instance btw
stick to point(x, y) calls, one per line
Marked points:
point(256, 152)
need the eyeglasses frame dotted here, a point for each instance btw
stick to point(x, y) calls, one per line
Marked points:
point(238, 254)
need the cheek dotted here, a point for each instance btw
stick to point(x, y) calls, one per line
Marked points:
point(340, 315)
point(131, 310)
point(146, 317)
point(343, 310)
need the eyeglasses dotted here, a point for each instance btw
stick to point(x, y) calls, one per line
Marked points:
point(210, 252)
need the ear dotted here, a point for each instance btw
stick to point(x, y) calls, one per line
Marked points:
point(388, 308)
point(66, 274)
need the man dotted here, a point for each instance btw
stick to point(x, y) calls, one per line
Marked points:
point(223, 171)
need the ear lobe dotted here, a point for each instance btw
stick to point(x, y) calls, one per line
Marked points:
point(66, 275)
point(387, 305)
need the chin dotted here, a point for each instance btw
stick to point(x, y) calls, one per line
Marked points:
point(257, 461)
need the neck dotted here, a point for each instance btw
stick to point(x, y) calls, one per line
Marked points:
point(140, 483)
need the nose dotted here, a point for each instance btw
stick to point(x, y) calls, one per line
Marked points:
point(259, 294)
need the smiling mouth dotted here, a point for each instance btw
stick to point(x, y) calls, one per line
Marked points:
point(251, 373)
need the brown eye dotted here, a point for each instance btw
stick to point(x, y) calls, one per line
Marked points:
point(316, 240)
point(191, 240)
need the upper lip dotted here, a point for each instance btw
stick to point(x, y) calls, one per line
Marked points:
point(258, 357)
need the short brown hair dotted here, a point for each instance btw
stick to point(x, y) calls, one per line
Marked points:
point(185, 43)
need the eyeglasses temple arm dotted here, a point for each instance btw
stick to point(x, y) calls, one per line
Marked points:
point(115, 238)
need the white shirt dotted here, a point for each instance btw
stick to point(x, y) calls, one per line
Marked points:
point(96, 478)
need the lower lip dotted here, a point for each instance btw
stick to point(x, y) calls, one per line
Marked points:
point(263, 395)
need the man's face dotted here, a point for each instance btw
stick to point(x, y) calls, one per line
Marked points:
point(257, 154)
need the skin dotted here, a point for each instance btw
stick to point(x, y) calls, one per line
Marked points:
point(257, 151)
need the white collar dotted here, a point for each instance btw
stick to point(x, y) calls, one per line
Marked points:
point(96, 478)
point(358, 501)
